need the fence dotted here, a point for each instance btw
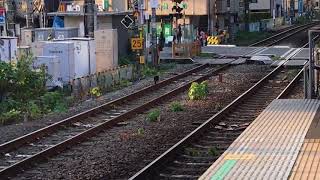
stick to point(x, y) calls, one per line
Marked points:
point(186, 50)
point(106, 81)
point(264, 24)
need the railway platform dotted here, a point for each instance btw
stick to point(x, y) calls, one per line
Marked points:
point(282, 143)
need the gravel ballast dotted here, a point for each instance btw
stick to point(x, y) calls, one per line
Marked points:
point(120, 152)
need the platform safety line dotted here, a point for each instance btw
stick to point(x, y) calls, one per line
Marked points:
point(224, 170)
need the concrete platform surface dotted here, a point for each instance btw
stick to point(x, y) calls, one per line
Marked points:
point(269, 147)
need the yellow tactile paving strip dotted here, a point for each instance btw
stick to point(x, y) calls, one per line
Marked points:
point(268, 148)
point(307, 165)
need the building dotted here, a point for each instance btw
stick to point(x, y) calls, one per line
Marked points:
point(195, 12)
point(226, 14)
point(272, 7)
point(109, 14)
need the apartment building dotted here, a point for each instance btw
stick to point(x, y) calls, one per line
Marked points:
point(109, 14)
point(274, 7)
point(227, 14)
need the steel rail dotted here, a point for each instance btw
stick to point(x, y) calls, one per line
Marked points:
point(45, 154)
point(151, 169)
point(303, 27)
point(292, 84)
point(15, 143)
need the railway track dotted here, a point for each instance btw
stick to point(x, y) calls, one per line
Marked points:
point(189, 158)
point(21, 153)
point(273, 40)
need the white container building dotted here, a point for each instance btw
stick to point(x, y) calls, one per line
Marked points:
point(65, 52)
point(64, 33)
point(52, 66)
point(8, 48)
point(84, 55)
point(42, 34)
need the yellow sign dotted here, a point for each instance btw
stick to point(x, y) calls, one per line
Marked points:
point(136, 43)
point(142, 60)
point(136, 14)
point(213, 40)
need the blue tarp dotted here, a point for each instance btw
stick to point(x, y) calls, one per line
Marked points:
point(58, 22)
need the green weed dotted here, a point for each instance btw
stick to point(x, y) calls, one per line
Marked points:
point(154, 115)
point(198, 91)
point(176, 106)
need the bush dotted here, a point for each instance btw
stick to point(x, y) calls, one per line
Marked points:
point(125, 83)
point(96, 92)
point(302, 20)
point(255, 17)
point(176, 107)
point(53, 102)
point(125, 60)
point(33, 110)
point(245, 38)
point(149, 71)
point(10, 116)
point(23, 93)
point(154, 115)
point(198, 91)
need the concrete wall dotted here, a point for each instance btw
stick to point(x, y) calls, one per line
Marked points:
point(119, 5)
point(260, 5)
point(104, 22)
point(72, 21)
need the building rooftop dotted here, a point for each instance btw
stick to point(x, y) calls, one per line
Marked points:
point(82, 13)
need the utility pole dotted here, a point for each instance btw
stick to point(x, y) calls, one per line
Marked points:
point(89, 17)
point(29, 15)
point(154, 5)
point(246, 14)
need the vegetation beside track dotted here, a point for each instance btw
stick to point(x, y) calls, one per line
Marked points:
point(246, 38)
point(24, 96)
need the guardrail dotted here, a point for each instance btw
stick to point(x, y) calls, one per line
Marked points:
point(186, 50)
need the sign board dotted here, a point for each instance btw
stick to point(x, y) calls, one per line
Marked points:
point(136, 43)
point(2, 20)
point(300, 7)
point(73, 8)
point(2, 11)
point(213, 40)
point(127, 21)
point(142, 61)
point(136, 14)
point(104, 5)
